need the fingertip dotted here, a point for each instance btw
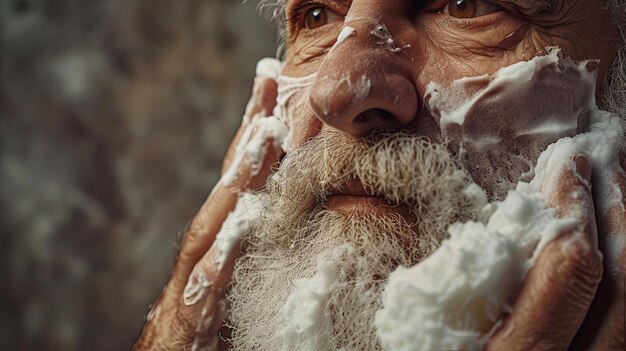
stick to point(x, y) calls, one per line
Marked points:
point(269, 67)
point(268, 95)
point(583, 166)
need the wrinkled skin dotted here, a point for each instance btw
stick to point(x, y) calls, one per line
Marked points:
point(555, 308)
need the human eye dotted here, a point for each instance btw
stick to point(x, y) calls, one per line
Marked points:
point(312, 15)
point(470, 8)
point(319, 16)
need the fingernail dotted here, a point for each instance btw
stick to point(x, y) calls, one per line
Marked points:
point(583, 166)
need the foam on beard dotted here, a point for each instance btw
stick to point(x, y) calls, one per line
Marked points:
point(312, 278)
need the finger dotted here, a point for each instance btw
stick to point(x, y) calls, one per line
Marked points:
point(202, 300)
point(247, 174)
point(604, 326)
point(262, 137)
point(195, 320)
point(198, 238)
point(252, 175)
point(613, 228)
point(558, 290)
point(212, 273)
point(263, 101)
point(570, 193)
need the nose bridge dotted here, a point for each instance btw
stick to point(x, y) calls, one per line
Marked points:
point(366, 70)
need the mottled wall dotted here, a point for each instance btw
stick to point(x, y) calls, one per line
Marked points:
point(114, 117)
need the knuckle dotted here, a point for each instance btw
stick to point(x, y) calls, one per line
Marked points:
point(188, 253)
point(181, 330)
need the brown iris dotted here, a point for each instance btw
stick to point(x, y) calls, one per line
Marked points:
point(462, 8)
point(315, 18)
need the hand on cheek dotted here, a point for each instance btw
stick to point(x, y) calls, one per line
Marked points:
point(559, 288)
point(188, 312)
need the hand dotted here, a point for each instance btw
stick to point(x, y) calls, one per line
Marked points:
point(559, 288)
point(563, 303)
point(603, 328)
point(187, 314)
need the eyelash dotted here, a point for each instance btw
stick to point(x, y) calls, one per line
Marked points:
point(295, 17)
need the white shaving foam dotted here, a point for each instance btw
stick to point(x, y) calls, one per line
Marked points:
point(196, 288)
point(305, 324)
point(269, 68)
point(204, 341)
point(252, 146)
point(153, 314)
point(454, 102)
point(346, 32)
point(499, 124)
point(293, 94)
point(238, 223)
point(381, 31)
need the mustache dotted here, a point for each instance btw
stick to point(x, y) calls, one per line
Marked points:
point(398, 166)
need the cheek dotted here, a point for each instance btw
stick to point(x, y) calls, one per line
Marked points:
point(499, 124)
point(305, 127)
point(453, 51)
point(294, 109)
point(306, 53)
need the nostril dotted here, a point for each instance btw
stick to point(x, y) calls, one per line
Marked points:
point(374, 117)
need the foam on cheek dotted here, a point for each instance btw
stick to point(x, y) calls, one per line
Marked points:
point(269, 68)
point(293, 95)
point(512, 115)
point(511, 103)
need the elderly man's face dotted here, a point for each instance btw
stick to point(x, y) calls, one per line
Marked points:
point(346, 208)
point(402, 45)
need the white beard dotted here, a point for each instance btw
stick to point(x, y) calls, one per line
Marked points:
point(312, 278)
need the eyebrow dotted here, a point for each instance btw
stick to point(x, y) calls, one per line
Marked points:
point(341, 3)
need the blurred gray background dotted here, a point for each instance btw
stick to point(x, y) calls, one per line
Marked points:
point(114, 117)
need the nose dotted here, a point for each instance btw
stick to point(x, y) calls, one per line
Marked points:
point(364, 83)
